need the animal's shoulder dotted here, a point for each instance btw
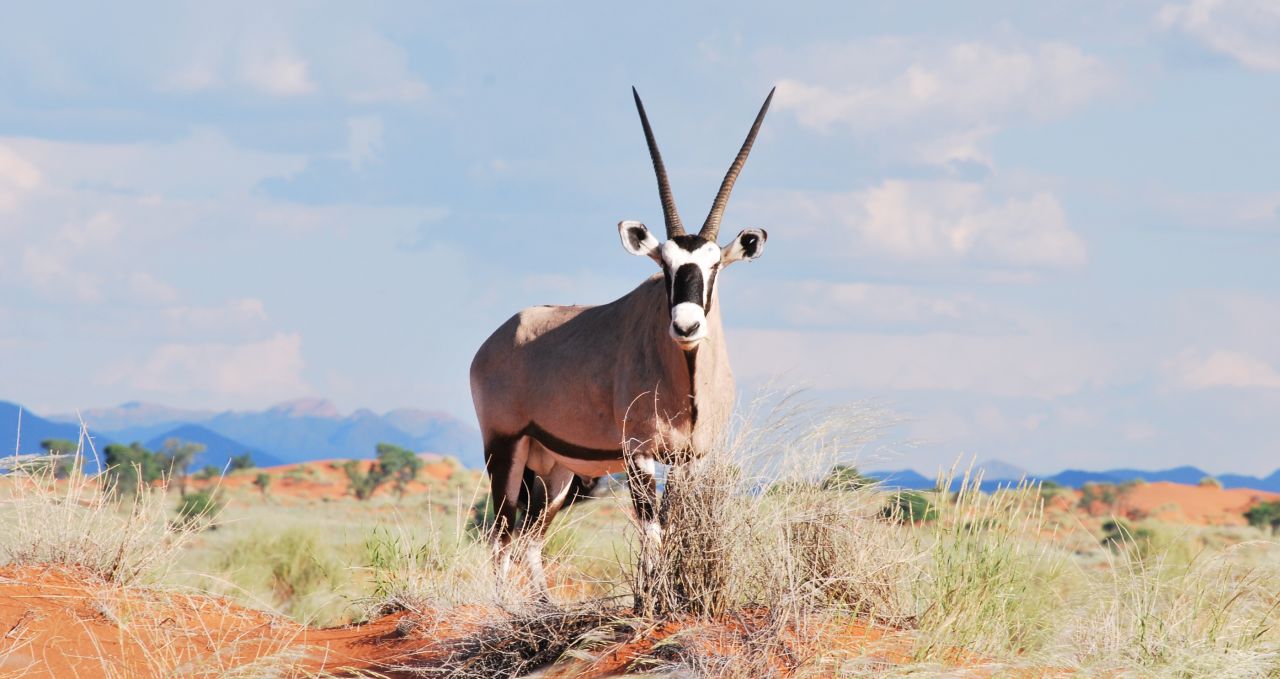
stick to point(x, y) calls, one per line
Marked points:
point(536, 320)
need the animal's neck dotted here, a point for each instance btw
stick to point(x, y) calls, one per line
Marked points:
point(694, 374)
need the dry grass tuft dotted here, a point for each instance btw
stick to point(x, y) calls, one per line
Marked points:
point(81, 522)
point(522, 643)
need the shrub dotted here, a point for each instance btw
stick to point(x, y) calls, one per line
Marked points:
point(207, 472)
point(1118, 534)
point(298, 573)
point(394, 464)
point(846, 477)
point(1264, 515)
point(239, 462)
point(199, 509)
point(131, 468)
point(263, 482)
point(909, 506)
point(1210, 482)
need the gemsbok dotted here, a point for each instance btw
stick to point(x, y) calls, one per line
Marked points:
point(567, 394)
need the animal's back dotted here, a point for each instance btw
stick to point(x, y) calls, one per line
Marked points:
point(505, 366)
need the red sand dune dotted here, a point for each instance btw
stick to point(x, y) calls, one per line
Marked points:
point(326, 480)
point(1199, 505)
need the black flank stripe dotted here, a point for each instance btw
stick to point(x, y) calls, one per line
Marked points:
point(562, 447)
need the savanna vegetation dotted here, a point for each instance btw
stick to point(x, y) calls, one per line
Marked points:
point(780, 559)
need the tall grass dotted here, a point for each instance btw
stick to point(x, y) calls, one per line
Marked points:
point(82, 522)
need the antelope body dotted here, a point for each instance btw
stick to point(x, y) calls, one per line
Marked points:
point(567, 394)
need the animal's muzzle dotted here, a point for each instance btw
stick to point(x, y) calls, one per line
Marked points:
point(688, 322)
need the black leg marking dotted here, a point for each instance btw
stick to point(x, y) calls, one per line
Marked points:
point(499, 458)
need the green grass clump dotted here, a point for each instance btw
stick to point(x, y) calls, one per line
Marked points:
point(293, 570)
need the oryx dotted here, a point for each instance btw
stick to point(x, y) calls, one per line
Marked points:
point(567, 394)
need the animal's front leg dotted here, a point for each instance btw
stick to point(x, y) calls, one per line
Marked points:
point(642, 481)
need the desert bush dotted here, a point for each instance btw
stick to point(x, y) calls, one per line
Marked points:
point(262, 482)
point(394, 464)
point(1264, 515)
point(909, 506)
point(200, 510)
point(242, 461)
point(207, 472)
point(797, 548)
point(1210, 482)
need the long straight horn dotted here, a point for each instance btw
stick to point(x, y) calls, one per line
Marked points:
point(711, 228)
point(674, 227)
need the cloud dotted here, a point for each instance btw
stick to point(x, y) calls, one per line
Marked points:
point(276, 72)
point(941, 220)
point(1246, 30)
point(259, 372)
point(364, 140)
point(1041, 364)
point(354, 63)
point(17, 177)
point(1221, 368)
point(1249, 211)
point(236, 315)
point(897, 82)
point(151, 290)
point(816, 303)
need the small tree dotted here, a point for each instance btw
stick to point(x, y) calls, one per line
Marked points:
point(131, 467)
point(910, 506)
point(1264, 515)
point(362, 484)
point(62, 456)
point(207, 472)
point(263, 482)
point(239, 462)
point(399, 465)
point(1210, 482)
point(393, 464)
point(199, 509)
point(178, 456)
point(846, 477)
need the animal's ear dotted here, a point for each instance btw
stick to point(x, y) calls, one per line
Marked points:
point(637, 239)
point(748, 244)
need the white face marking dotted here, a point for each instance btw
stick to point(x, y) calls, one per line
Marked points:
point(688, 320)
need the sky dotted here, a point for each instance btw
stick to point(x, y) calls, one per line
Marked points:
point(1040, 232)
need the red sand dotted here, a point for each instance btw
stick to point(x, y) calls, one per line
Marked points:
point(1199, 505)
point(59, 624)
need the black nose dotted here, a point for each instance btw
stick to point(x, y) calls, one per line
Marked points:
point(685, 332)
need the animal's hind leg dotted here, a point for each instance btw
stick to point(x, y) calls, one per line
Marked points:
point(544, 504)
point(504, 459)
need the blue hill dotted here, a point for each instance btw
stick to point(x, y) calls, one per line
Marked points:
point(36, 429)
point(218, 448)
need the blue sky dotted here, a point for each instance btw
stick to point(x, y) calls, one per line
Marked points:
point(1044, 232)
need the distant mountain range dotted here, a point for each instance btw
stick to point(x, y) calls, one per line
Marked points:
point(313, 429)
point(295, 431)
point(998, 474)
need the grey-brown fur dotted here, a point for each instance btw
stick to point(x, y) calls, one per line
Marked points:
point(561, 391)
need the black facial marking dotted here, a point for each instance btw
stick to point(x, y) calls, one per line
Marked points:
point(711, 287)
point(750, 244)
point(687, 285)
point(690, 242)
